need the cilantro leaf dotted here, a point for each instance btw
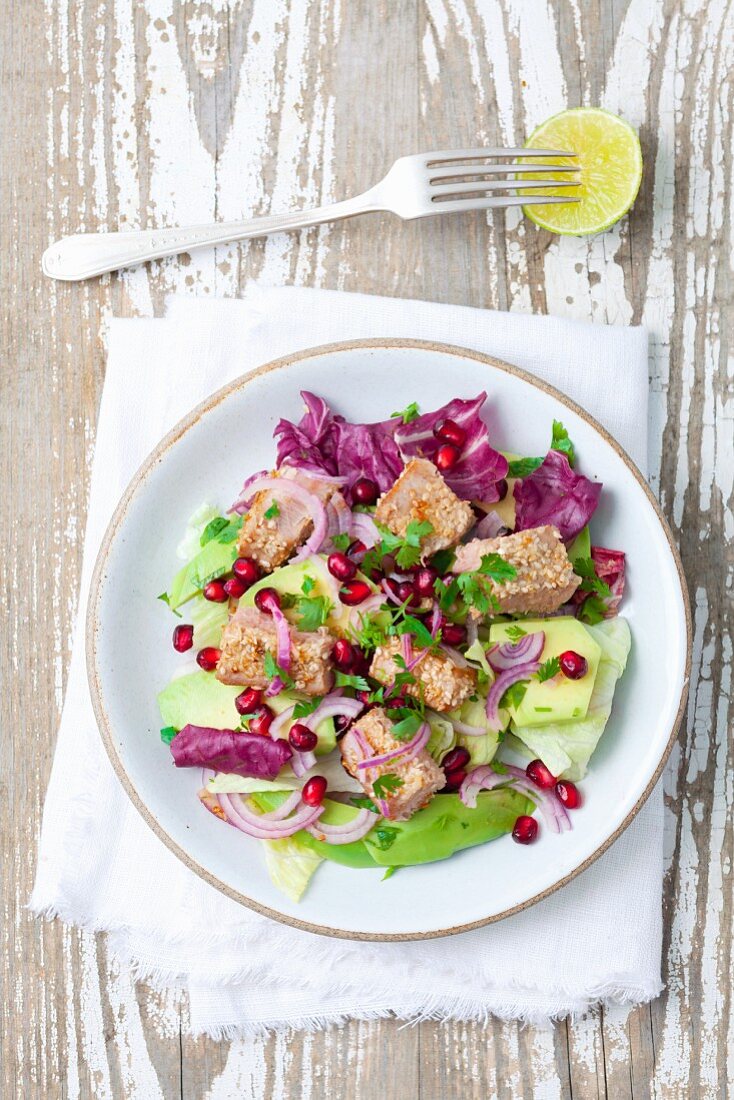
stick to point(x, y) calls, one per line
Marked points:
point(410, 552)
point(593, 610)
point(212, 529)
point(273, 669)
point(495, 566)
point(515, 633)
point(386, 784)
point(561, 442)
point(548, 670)
point(442, 560)
point(407, 727)
point(304, 707)
point(308, 585)
point(514, 696)
point(167, 734)
point(313, 611)
point(345, 679)
point(476, 593)
point(229, 531)
point(371, 633)
point(383, 837)
point(273, 510)
point(166, 599)
point(523, 467)
point(341, 542)
point(410, 412)
point(364, 803)
point(590, 582)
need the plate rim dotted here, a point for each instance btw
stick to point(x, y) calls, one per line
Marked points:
point(152, 460)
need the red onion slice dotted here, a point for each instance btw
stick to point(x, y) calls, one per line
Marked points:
point(348, 832)
point(481, 779)
point(301, 762)
point(281, 721)
point(404, 753)
point(552, 809)
point(365, 529)
point(490, 526)
point(246, 494)
point(505, 680)
point(436, 618)
point(458, 658)
point(463, 727)
point(406, 648)
point(390, 594)
point(510, 655)
point(262, 827)
point(338, 518)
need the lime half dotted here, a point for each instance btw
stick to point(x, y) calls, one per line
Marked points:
point(608, 152)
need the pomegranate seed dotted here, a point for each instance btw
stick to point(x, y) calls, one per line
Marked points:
point(446, 457)
point(354, 592)
point(573, 665)
point(262, 720)
point(448, 431)
point(457, 758)
point(208, 658)
point(454, 779)
point(453, 634)
point(266, 599)
point(248, 701)
point(302, 738)
point(341, 567)
point(364, 697)
point(314, 790)
point(343, 654)
point(356, 547)
point(246, 570)
point(365, 491)
point(406, 593)
point(502, 488)
point(215, 592)
point(183, 637)
point(361, 666)
point(235, 588)
point(525, 829)
point(425, 580)
point(541, 776)
point(568, 793)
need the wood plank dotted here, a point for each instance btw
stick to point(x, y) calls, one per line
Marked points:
point(278, 105)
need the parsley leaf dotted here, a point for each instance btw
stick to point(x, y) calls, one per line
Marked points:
point(341, 542)
point(410, 552)
point(371, 633)
point(167, 601)
point(383, 837)
point(313, 612)
point(514, 696)
point(407, 727)
point(273, 669)
point(410, 412)
point(548, 670)
point(212, 529)
point(345, 679)
point(442, 560)
point(515, 633)
point(403, 623)
point(561, 442)
point(364, 803)
point(167, 734)
point(308, 585)
point(386, 784)
point(474, 587)
point(228, 532)
point(273, 510)
point(593, 610)
point(495, 566)
point(523, 467)
point(590, 582)
point(304, 707)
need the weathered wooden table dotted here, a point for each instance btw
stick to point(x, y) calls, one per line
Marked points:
point(135, 112)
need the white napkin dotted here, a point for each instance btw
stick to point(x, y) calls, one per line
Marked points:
point(100, 866)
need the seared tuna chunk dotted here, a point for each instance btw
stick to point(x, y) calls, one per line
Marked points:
point(545, 578)
point(250, 634)
point(420, 494)
point(438, 680)
point(419, 778)
point(271, 540)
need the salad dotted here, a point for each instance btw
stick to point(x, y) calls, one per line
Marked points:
point(406, 643)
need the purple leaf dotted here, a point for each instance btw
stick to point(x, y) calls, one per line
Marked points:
point(233, 751)
point(556, 494)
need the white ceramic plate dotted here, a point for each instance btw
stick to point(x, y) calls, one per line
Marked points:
point(206, 458)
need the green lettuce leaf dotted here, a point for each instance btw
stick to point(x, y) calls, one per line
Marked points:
point(207, 618)
point(290, 864)
point(190, 544)
point(566, 747)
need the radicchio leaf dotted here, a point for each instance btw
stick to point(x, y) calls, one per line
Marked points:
point(556, 494)
point(234, 751)
point(480, 467)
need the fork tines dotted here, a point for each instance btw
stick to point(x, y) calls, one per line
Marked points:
point(458, 173)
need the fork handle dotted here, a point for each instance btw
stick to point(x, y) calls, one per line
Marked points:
point(84, 255)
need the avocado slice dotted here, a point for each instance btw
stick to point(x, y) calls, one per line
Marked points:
point(201, 700)
point(436, 832)
point(581, 545)
point(213, 560)
point(558, 699)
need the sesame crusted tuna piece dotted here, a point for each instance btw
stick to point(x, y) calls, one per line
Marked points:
point(545, 578)
point(438, 680)
point(271, 541)
point(421, 494)
point(250, 634)
point(419, 778)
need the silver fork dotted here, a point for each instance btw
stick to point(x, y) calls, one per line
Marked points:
point(445, 181)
